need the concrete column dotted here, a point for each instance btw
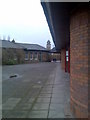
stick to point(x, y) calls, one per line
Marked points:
point(63, 59)
point(79, 29)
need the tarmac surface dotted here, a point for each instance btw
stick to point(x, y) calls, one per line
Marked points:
point(39, 90)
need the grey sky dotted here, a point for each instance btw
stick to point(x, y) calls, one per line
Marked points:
point(24, 21)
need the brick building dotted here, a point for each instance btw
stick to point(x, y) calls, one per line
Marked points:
point(16, 53)
point(55, 56)
point(69, 25)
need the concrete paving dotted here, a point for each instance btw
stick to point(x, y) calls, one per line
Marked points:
point(39, 91)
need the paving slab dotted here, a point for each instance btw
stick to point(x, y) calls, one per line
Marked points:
point(46, 89)
point(56, 114)
point(41, 106)
point(11, 103)
point(26, 106)
point(37, 86)
point(5, 113)
point(45, 95)
point(43, 100)
point(59, 107)
point(58, 91)
point(58, 100)
point(38, 114)
point(46, 92)
point(17, 114)
point(31, 100)
point(48, 86)
point(58, 95)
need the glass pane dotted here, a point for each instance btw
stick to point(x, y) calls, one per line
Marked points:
point(66, 58)
point(66, 53)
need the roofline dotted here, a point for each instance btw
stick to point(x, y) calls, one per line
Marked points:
point(22, 46)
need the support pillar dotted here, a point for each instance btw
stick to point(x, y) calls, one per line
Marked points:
point(63, 60)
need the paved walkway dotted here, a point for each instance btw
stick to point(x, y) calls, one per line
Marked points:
point(47, 100)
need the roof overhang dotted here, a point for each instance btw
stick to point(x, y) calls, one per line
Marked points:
point(58, 18)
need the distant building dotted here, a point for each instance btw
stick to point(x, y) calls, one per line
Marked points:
point(55, 56)
point(16, 53)
point(48, 46)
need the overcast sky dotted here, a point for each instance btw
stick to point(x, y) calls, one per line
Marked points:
point(24, 20)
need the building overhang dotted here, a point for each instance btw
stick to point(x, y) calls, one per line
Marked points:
point(58, 18)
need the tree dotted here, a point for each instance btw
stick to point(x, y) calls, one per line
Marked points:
point(13, 41)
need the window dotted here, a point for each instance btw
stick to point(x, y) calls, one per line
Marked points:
point(15, 56)
point(67, 56)
point(31, 56)
point(66, 53)
point(36, 56)
point(26, 55)
point(40, 56)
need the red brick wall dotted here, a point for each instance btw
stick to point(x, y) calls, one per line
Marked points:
point(63, 59)
point(89, 62)
point(79, 62)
